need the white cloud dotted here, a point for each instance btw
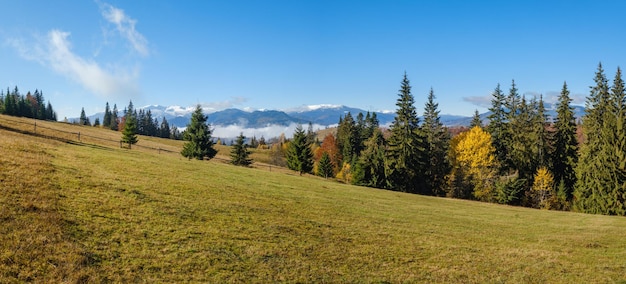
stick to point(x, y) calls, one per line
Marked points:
point(481, 101)
point(217, 106)
point(116, 80)
point(55, 51)
point(125, 25)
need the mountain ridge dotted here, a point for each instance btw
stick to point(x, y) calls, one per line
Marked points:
point(323, 115)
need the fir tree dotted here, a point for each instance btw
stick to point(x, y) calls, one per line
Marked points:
point(299, 155)
point(406, 145)
point(565, 154)
point(325, 166)
point(96, 122)
point(437, 143)
point(239, 153)
point(198, 136)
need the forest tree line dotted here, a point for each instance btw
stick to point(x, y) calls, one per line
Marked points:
point(520, 156)
point(31, 105)
point(146, 124)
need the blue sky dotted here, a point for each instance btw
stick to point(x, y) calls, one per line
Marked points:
point(285, 54)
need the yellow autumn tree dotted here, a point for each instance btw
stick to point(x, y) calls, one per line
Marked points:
point(345, 174)
point(543, 193)
point(474, 165)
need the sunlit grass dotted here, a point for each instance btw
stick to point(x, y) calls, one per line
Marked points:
point(132, 215)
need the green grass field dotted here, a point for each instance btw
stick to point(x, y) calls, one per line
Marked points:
point(92, 212)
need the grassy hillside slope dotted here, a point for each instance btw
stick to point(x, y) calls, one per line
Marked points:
point(97, 213)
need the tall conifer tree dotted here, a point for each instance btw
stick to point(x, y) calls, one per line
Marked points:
point(593, 174)
point(437, 144)
point(498, 127)
point(106, 121)
point(115, 119)
point(405, 154)
point(565, 155)
point(84, 120)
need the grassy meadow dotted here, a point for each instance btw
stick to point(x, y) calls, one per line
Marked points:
point(92, 212)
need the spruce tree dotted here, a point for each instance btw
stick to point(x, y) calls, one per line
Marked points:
point(129, 133)
point(198, 136)
point(371, 164)
point(239, 153)
point(476, 121)
point(325, 166)
point(347, 138)
point(114, 119)
point(517, 116)
point(406, 145)
point(498, 127)
point(164, 129)
point(299, 155)
point(50, 114)
point(589, 187)
point(106, 121)
point(521, 140)
point(543, 135)
point(437, 144)
point(83, 120)
point(565, 154)
point(601, 171)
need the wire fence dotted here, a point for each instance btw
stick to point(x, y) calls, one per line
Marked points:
point(39, 128)
point(32, 127)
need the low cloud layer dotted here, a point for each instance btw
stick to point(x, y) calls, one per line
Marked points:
point(270, 131)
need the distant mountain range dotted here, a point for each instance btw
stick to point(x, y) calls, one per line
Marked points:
point(321, 115)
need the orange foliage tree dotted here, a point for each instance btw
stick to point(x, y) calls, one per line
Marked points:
point(329, 146)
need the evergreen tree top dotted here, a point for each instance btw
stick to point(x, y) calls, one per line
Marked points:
point(406, 115)
point(431, 112)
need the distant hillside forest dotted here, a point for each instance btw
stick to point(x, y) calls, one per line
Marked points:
point(145, 123)
point(519, 157)
point(31, 105)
